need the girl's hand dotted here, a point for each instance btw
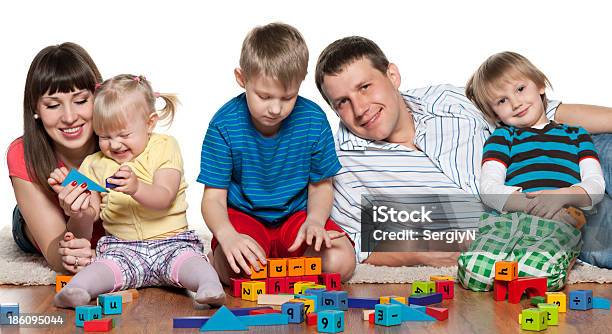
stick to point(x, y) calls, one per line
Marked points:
point(312, 230)
point(73, 198)
point(240, 248)
point(76, 253)
point(126, 180)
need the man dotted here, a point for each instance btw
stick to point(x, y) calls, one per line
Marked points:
point(422, 141)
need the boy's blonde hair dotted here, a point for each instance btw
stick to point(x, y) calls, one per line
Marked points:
point(276, 50)
point(499, 66)
point(127, 93)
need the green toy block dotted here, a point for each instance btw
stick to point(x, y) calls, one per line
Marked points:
point(388, 314)
point(423, 287)
point(538, 300)
point(553, 313)
point(533, 319)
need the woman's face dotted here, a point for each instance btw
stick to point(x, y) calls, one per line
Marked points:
point(67, 118)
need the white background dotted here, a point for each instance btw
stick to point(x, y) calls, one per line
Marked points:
point(192, 48)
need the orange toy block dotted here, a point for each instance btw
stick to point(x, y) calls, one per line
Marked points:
point(441, 278)
point(61, 281)
point(295, 266)
point(261, 274)
point(277, 267)
point(312, 266)
point(506, 270)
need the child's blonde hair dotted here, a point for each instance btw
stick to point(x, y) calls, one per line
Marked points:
point(496, 67)
point(126, 93)
point(276, 50)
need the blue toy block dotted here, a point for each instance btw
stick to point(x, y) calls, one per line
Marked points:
point(330, 321)
point(316, 292)
point(8, 310)
point(368, 303)
point(425, 299)
point(268, 319)
point(111, 304)
point(581, 300)
point(601, 303)
point(335, 300)
point(223, 320)
point(295, 312)
point(247, 310)
point(314, 298)
point(75, 175)
point(419, 308)
point(189, 322)
point(87, 312)
point(414, 312)
point(387, 314)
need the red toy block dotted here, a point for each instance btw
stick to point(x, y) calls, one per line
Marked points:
point(263, 311)
point(291, 280)
point(276, 285)
point(437, 312)
point(236, 286)
point(500, 290)
point(311, 319)
point(371, 318)
point(446, 288)
point(534, 286)
point(311, 278)
point(98, 325)
point(331, 281)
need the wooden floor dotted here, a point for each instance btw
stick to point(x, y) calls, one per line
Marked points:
point(469, 312)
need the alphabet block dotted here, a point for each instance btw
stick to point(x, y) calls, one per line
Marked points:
point(301, 286)
point(267, 299)
point(534, 286)
point(61, 281)
point(291, 280)
point(87, 312)
point(387, 299)
point(311, 319)
point(331, 281)
point(261, 274)
point(423, 287)
point(312, 266)
point(111, 304)
point(252, 289)
point(388, 314)
point(311, 278)
point(533, 319)
point(553, 313)
point(446, 288)
point(276, 285)
point(236, 286)
point(334, 300)
point(425, 299)
point(318, 292)
point(581, 300)
point(99, 325)
point(295, 312)
point(295, 266)
point(506, 270)
point(559, 299)
point(309, 305)
point(8, 310)
point(314, 298)
point(277, 267)
point(330, 321)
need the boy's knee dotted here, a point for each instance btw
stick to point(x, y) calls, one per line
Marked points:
point(340, 260)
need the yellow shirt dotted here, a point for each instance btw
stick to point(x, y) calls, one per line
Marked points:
point(121, 215)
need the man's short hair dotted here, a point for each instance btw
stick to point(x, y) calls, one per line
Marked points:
point(345, 51)
point(276, 50)
point(498, 66)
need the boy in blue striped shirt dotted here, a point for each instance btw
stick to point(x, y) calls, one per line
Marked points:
point(533, 166)
point(267, 164)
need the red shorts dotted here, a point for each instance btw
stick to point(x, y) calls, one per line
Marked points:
point(274, 241)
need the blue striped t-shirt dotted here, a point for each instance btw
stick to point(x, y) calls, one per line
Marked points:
point(267, 177)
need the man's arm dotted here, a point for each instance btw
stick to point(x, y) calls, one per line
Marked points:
point(594, 119)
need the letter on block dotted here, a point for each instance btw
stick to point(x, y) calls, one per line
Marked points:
point(533, 319)
point(111, 304)
point(423, 287)
point(261, 274)
point(330, 321)
point(301, 286)
point(87, 312)
point(446, 288)
point(331, 281)
point(553, 313)
point(276, 285)
point(309, 305)
point(388, 314)
point(312, 266)
point(277, 267)
point(295, 266)
point(61, 281)
point(506, 270)
point(295, 312)
point(252, 289)
point(581, 300)
point(559, 299)
point(236, 286)
point(335, 300)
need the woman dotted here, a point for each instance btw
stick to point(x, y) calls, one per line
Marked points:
point(57, 112)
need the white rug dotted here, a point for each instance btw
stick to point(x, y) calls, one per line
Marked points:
point(21, 269)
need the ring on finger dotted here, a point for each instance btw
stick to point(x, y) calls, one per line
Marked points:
point(76, 261)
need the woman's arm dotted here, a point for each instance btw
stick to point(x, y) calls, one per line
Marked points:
point(594, 119)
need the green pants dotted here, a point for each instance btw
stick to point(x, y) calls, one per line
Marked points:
point(542, 248)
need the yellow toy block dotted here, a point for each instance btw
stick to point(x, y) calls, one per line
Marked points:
point(295, 266)
point(559, 299)
point(61, 281)
point(441, 278)
point(506, 270)
point(261, 274)
point(387, 299)
point(309, 305)
point(312, 266)
point(252, 289)
point(277, 267)
point(301, 286)
point(318, 286)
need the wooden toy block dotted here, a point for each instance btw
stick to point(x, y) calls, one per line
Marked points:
point(425, 299)
point(8, 310)
point(277, 267)
point(446, 288)
point(240, 311)
point(311, 319)
point(388, 314)
point(312, 266)
point(441, 278)
point(559, 299)
point(534, 286)
point(500, 290)
point(581, 300)
point(252, 289)
point(423, 287)
point(553, 313)
point(330, 321)
point(261, 274)
point(533, 319)
point(223, 320)
point(368, 303)
point(267, 299)
point(291, 280)
point(601, 303)
point(316, 292)
point(311, 278)
point(134, 293)
point(413, 312)
point(309, 305)
point(319, 286)
point(189, 322)
point(75, 175)
point(61, 281)
point(419, 308)
point(301, 286)
point(126, 296)
point(334, 300)
point(87, 312)
point(276, 285)
point(295, 266)
point(371, 317)
point(437, 312)
point(99, 325)
point(538, 300)
point(268, 319)
point(236, 286)
point(264, 311)
point(506, 270)
point(387, 299)
point(314, 298)
point(111, 304)
point(331, 281)
point(295, 312)
point(366, 314)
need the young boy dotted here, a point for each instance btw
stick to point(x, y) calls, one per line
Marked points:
point(267, 162)
point(534, 167)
